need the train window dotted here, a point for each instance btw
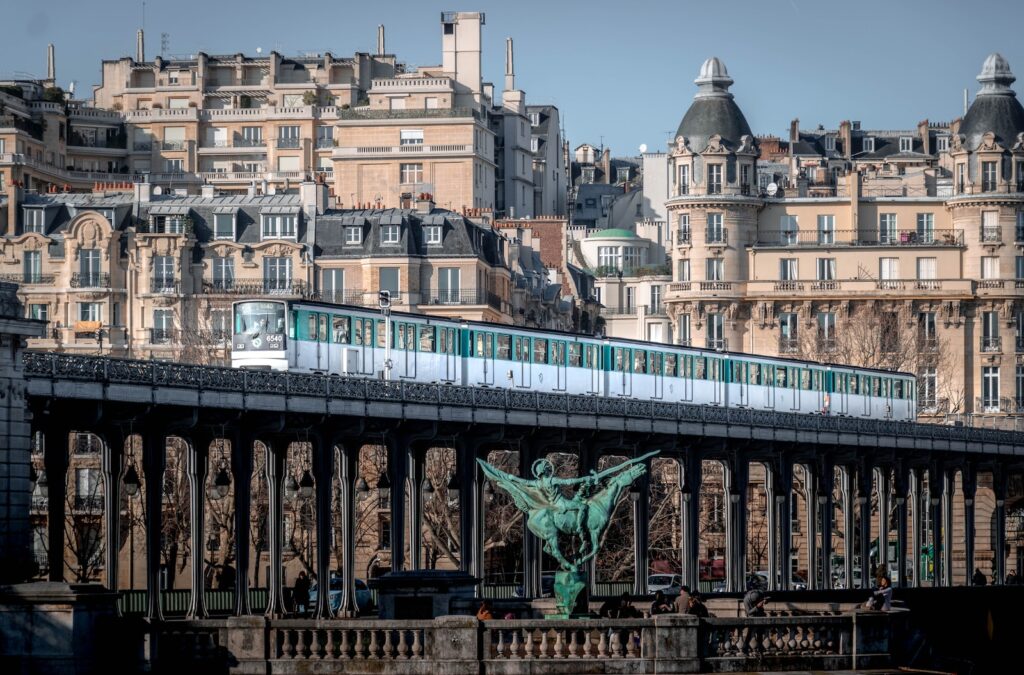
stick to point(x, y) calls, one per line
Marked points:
point(755, 373)
point(341, 327)
point(715, 367)
point(323, 328)
point(540, 350)
point(364, 331)
point(854, 384)
point(427, 338)
point(897, 389)
point(484, 345)
point(699, 368)
point(886, 382)
point(780, 377)
point(805, 379)
point(380, 333)
point(517, 348)
point(657, 362)
point(793, 377)
point(311, 327)
point(618, 359)
point(443, 342)
point(407, 337)
point(558, 353)
point(670, 365)
point(575, 355)
point(504, 347)
point(592, 360)
point(737, 372)
point(817, 380)
point(639, 361)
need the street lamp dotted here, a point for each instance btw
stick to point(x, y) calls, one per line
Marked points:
point(291, 487)
point(634, 493)
point(306, 485)
point(222, 483)
point(384, 302)
point(362, 489)
point(488, 492)
point(383, 486)
point(427, 488)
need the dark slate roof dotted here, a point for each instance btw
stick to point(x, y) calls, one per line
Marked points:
point(713, 110)
point(592, 212)
point(545, 116)
point(995, 108)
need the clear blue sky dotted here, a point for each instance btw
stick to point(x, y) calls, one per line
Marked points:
point(619, 70)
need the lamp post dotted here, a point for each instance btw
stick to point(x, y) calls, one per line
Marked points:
point(131, 488)
point(384, 301)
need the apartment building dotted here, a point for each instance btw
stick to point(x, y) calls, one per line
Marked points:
point(132, 273)
point(379, 134)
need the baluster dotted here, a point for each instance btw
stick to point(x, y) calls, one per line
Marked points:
point(500, 649)
point(802, 642)
point(387, 646)
point(289, 645)
point(588, 644)
point(559, 650)
point(332, 644)
point(631, 636)
point(360, 644)
point(528, 643)
point(403, 646)
point(543, 644)
point(417, 645)
point(314, 644)
point(602, 644)
point(374, 649)
point(344, 644)
point(514, 650)
point(791, 641)
point(573, 644)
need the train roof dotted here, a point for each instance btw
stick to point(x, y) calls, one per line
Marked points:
point(569, 335)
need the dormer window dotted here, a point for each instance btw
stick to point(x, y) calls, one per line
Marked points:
point(353, 236)
point(869, 144)
point(906, 144)
point(942, 143)
point(432, 234)
point(390, 234)
point(35, 220)
point(830, 143)
point(224, 225)
point(279, 226)
point(534, 119)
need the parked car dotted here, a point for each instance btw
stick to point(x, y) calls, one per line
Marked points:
point(669, 584)
point(796, 583)
point(364, 599)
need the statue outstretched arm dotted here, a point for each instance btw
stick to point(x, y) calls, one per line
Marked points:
point(621, 467)
point(525, 493)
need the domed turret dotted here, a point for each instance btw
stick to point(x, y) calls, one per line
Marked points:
point(995, 108)
point(713, 110)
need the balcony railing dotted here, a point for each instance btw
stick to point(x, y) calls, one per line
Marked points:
point(296, 287)
point(376, 114)
point(90, 280)
point(288, 143)
point(789, 345)
point(249, 142)
point(718, 344)
point(322, 143)
point(446, 296)
point(358, 298)
point(992, 234)
point(789, 286)
point(172, 145)
point(142, 146)
point(618, 311)
point(684, 237)
point(656, 310)
point(88, 502)
point(991, 344)
point(165, 285)
point(826, 285)
point(164, 336)
point(927, 344)
point(29, 278)
point(832, 238)
point(717, 236)
point(715, 285)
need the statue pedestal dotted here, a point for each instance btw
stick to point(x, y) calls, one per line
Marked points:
point(569, 586)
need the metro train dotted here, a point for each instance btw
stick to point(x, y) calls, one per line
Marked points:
point(313, 337)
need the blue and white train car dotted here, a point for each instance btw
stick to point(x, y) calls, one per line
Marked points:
point(344, 340)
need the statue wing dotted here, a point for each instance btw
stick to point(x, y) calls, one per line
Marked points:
point(525, 493)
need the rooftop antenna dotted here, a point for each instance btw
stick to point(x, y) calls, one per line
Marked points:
point(965, 100)
point(165, 40)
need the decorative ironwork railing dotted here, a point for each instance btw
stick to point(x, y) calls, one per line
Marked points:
point(157, 373)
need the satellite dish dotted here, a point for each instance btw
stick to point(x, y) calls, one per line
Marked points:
point(259, 50)
point(158, 190)
point(772, 189)
point(643, 148)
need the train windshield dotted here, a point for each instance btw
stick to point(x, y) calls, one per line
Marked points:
point(252, 318)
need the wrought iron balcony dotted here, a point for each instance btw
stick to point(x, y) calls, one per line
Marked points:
point(684, 236)
point(717, 236)
point(287, 143)
point(718, 344)
point(991, 344)
point(29, 278)
point(789, 345)
point(164, 336)
point(90, 280)
point(173, 145)
point(991, 234)
point(296, 287)
point(835, 238)
point(449, 296)
point(165, 285)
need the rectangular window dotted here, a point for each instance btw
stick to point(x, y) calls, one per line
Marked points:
point(174, 165)
point(163, 325)
point(988, 176)
point(926, 268)
point(39, 312)
point(1019, 267)
point(630, 297)
point(333, 285)
point(449, 290)
point(715, 331)
point(990, 388)
point(869, 144)
point(990, 231)
point(223, 273)
point(279, 226)
point(252, 137)
point(288, 136)
point(927, 383)
point(90, 311)
point(411, 174)
point(389, 280)
point(827, 326)
point(33, 267)
point(277, 274)
point(788, 269)
point(34, 220)
point(684, 270)
point(788, 324)
point(410, 137)
point(89, 267)
point(830, 143)
point(683, 236)
point(390, 234)
point(684, 330)
point(826, 269)
point(325, 137)
point(714, 269)
point(715, 231)
point(990, 267)
point(1018, 397)
point(887, 228)
point(906, 143)
point(353, 236)
point(223, 226)
point(714, 179)
point(788, 230)
point(163, 273)
point(942, 144)
point(926, 228)
point(655, 299)
point(684, 179)
point(889, 268)
point(826, 229)
point(1019, 234)
point(432, 234)
point(990, 332)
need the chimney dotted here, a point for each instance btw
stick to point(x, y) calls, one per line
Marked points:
point(380, 41)
point(207, 191)
point(424, 203)
point(313, 197)
point(251, 190)
point(510, 71)
point(965, 101)
point(794, 131)
point(922, 131)
point(13, 204)
point(846, 137)
point(143, 192)
point(51, 65)
point(140, 47)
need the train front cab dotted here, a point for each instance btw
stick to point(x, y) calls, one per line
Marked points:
point(260, 339)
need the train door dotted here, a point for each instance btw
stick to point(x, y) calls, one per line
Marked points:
point(686, 371)
point(738, 378)
point(404, 357)
point(656, 367)
point(867, 389)
point(887, 397)
point(363, 335)
point(794, 376)
point(717, 379)
point(593, 364)
point(622, 384)
point(835, 387)
point(521, 354)
point(558, 356)
point(323, 342)
point(483, 350)
point(768, 385)
point(447, 348)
